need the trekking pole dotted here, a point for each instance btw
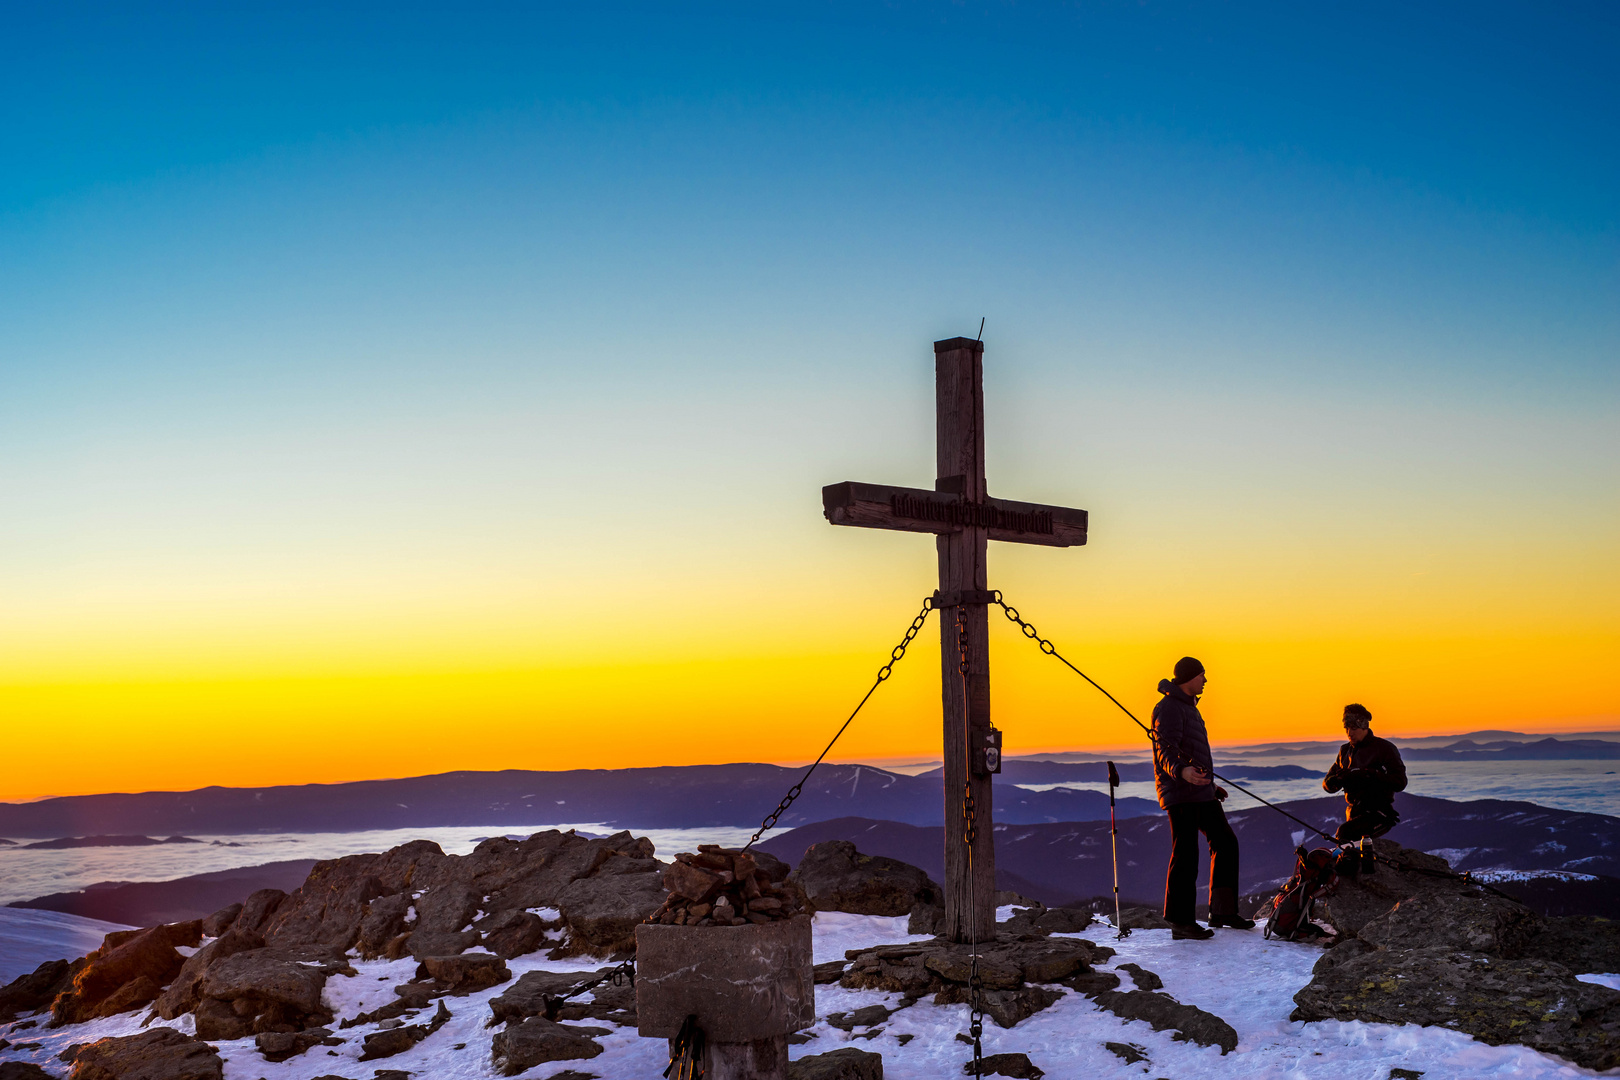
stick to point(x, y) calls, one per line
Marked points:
point(1113, 830)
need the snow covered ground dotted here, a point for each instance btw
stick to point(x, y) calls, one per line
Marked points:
point(29, 938)
point(1247, 981)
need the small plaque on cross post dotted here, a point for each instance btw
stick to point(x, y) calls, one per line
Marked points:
point(963, 516)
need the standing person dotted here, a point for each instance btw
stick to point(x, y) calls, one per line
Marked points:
point(1182, 776)
point(1369, 771)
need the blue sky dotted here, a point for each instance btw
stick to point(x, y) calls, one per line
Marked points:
point(363, 338)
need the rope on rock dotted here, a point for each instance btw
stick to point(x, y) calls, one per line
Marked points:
point(897, 654)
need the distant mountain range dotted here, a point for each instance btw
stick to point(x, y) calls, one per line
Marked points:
point(1061, 863)
point(694, 796)
point(1463, 748)
point(147, 903)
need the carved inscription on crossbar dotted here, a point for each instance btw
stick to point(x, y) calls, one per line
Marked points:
point(957, 512)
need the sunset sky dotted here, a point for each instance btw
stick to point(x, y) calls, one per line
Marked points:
point(394, 389)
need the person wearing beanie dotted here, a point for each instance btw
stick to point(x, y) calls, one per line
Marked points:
point(1369, 771)
point(1183, 777)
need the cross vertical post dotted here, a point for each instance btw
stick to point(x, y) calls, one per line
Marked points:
point(959, 445)
point(963, 516)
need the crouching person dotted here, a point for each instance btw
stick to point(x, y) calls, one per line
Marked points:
point(1369, 771)
point(1183, 776)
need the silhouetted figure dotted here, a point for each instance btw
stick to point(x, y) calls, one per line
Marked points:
point(1369, 771)
point(1183, 777)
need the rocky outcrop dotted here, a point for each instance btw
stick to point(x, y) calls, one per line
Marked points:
point(1008, 971)
point(717, 886)
point(184, 993)
point(837, 877)
point(538, 1040)
point(281, 1045)
point(264, 990)
point(1425, 948)
point(845, 1064)
point(36, 990)
point(22, 1070)
point(221, 921)
point(159, 1054)
point(1017, 1066)
point(1191, 1024)
point(128, 971)
point(462, 975)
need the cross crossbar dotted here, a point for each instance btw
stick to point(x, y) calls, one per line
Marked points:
point(880, 506)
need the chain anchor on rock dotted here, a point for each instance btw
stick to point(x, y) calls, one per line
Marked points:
point(897, 654)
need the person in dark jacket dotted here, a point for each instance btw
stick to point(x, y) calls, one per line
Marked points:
point(1183, 777)
point(1369, 771)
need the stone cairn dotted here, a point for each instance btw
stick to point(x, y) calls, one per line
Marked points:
point(725, 887)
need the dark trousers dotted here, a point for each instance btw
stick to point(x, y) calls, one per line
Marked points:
point(1187, 820)
point(1366, 822)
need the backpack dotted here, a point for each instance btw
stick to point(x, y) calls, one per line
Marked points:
point(1315, 875)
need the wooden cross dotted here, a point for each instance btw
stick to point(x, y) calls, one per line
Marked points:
point(964, 516)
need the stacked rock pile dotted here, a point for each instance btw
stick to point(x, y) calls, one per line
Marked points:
point(725, 887)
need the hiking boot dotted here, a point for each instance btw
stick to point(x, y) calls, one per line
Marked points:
point(1236, 922)
point(1190, 932)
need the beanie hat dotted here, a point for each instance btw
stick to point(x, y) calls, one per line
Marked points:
point(1187, 669)
point(1357, 716)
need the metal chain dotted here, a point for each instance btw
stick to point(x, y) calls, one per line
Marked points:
point(1051, 650)
point(895, 656)
point(970, 833)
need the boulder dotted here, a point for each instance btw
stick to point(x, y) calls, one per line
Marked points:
point(602, 912)
point(527, 997)
point(1014, 1065)
point(1478, 923)
point(1496, 1000)
point(397, 1040)
point(158, 1054)
point(184, 993)
point(837, 877)
point(845, 1064)
point(512, 934)
point(421, 944)
point(143, 957)
point(537, 1040)
point(22, 1070)
point(221, 920)
point(1142, 977)
point(262, 990)
point(1359, 900)
point(281, 1045)
point(1163, 1012)
point(1005, 1007)
point(928, 967)
point(36, 990)
point(382, 922)
point(258, 909)
point(468, 974)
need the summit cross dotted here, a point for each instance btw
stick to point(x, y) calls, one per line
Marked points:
point(963, 516)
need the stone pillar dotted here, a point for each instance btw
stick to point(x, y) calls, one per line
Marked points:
point(750, 987)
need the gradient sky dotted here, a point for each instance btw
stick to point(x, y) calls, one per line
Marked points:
point(400, 388)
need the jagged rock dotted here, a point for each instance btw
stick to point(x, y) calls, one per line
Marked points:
point(870, 1016)
point(527, 996)
point(184, 993)
point(397, 1040)
point(126, 958)
point(1041, 920)
point(36, 990)
point(158, 1054)
point(383, 921)
point(1479, 923)
point(1496, 1000)
point(1142, 977)
point(281, 1045)
point(1581, 943)
point(221, 920)
point(845, 1064)
point(1130, 1053)
point(926, 919)
point(1004, 964)
point(837, 877)
point(537, 1040)
point(603, 911)
point(258, 909)
point(1006, 1007)
point(1014, 1065)
point(1191, 1024)
point(1359, 900)
point(512, 933)
point(830, 972)
point(1141, 918)
point(22, 1070)
point(422, 944)
point(262, 990)
point(468, 974)
point(1092, 983)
